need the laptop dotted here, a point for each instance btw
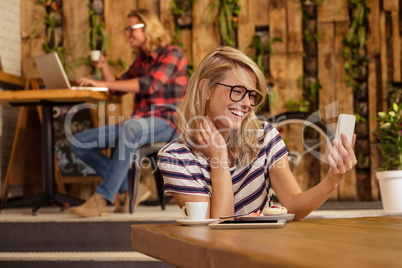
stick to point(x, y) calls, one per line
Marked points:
point(54, 76)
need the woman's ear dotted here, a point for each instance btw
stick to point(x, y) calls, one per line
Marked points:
point(201, 87)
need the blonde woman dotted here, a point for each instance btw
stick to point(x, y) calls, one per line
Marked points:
point(225, 156)
point(158, 79)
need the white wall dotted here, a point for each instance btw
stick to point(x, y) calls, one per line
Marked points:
point(10, 55)
point(10, 36)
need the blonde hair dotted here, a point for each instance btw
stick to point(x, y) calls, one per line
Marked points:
point(244, 144)
point(154, 31)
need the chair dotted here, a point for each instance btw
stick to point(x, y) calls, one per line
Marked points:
point(149, 151)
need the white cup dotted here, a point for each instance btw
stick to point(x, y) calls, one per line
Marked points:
point(196, 211)
point(95, 55)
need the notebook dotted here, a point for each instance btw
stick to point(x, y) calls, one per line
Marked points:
point(54, 76)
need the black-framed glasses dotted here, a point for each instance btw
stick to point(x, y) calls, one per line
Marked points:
point(237, 93)
point(131, 28)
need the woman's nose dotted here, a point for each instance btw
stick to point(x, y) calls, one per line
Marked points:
point(246, 100)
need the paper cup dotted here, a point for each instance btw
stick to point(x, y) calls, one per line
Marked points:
point(95, 55)
point(391, 189)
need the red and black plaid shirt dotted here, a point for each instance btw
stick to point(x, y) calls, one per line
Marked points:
point(163, 82)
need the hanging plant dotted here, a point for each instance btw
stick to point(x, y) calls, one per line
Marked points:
point(52, 19)
point(262, 49)
point(355, 43)
point(226, 11)
point(181, 10)
point(310, 85)
point(96, 34)
point(308, 102)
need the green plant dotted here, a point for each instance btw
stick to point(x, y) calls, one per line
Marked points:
point(51, 14)
point(120, 63)
point(394, 91)
point(96, 34)
point(226, 11)
point(307, 35)
point(179, 7)
point(389, 135)
point(310, 96)
point(355, 42)
point(360, 118)
point(262, 49)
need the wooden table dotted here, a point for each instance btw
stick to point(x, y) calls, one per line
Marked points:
point(353, 242)
point(47, 99)
point(25, 97)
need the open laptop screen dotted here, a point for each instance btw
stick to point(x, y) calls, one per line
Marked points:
point(52, 71)
point(54, 76)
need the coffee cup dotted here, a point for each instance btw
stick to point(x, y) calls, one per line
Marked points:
point(95, 55)
point(195, 211)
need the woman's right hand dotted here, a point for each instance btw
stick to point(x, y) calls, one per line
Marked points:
point(211, 141)
point(101, 63)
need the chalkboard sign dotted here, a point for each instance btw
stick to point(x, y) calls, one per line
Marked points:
point(69, 164)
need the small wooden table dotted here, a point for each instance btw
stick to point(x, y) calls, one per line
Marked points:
point(47, 99)
point(353, 242)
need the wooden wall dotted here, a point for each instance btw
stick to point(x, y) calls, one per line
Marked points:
point(278, 18)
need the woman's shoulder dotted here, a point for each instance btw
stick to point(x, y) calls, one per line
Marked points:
point(265, 127)
point(176, 146)
point(173, 50)
point(267, 131)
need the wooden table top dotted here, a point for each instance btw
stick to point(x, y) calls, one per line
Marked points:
point(352, 242)
point(54, 95)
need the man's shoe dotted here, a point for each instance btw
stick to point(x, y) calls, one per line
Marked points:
point(142, 194)
point(95, 206)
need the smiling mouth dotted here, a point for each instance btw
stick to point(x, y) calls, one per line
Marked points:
point(237, 113)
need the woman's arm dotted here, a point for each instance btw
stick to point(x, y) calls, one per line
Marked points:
point(213, 145)
point(302, 203)
point(129, 85)
point(109, 80)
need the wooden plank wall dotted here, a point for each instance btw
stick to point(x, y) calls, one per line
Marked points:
point(334, 97)
point(279, 18)
point(383, 57)
point(286, 61)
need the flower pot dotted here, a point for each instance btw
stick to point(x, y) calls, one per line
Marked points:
point(391, 190)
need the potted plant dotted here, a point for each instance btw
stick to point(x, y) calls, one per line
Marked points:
point(389, 135)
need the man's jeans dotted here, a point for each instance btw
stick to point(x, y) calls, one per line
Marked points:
point(125, 138)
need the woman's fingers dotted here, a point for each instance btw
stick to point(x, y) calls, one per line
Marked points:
point(342, 157)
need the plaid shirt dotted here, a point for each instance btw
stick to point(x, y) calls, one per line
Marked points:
point(163, 82)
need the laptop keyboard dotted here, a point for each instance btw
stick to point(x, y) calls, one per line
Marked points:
point(103, 89)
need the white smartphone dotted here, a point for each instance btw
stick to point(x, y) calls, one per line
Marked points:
point(346, 125)
point(230, 224)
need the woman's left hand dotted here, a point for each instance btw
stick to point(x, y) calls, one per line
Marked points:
point(341, 158)
point(84, 81)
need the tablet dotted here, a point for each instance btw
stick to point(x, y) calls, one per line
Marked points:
point(247, 224)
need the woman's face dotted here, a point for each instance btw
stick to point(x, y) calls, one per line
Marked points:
point(226, 113)
point(137, 36)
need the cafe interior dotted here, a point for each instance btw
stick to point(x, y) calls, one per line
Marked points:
point(321, 58)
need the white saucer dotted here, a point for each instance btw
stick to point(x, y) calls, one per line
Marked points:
point(196, 222)
point(287, 217)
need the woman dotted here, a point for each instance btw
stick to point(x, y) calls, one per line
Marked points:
point(158, 79)
point(226, 156)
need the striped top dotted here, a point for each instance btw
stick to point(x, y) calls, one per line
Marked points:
point(188, 173)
